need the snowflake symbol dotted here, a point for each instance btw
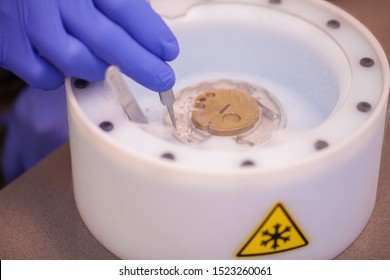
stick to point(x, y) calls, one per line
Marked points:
point(276, 236)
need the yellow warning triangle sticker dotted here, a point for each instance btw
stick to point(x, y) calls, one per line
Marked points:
point(277, 233)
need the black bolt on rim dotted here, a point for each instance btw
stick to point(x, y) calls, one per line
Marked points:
point(79, 83)
point(247, 163)
point(364, 107)
point(106, 126)
point(334, 24)
point(367, 62)
point(321, 144)
point(168, 156)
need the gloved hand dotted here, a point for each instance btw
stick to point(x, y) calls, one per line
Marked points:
point(44, 40)
point(36, 126)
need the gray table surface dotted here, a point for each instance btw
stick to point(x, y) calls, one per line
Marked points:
point(39, 219)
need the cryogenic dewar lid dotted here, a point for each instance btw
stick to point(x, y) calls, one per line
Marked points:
point(317, 80)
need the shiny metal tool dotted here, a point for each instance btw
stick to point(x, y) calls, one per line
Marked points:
point(167, 99)
point(123, 93)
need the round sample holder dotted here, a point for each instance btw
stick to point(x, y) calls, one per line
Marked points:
point(299, 182)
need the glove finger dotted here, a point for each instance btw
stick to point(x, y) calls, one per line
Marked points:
point(17, 53)
point(50, 39)
point(35, 71)
point(143, 24)
point(29, 66)
point(114, 45)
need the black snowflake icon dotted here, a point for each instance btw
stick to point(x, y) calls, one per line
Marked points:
point(276, 236)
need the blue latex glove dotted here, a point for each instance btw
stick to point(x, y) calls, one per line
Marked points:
point(44, 40)
point(36, 125)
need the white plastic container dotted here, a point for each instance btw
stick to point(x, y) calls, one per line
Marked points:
point(307, 193)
